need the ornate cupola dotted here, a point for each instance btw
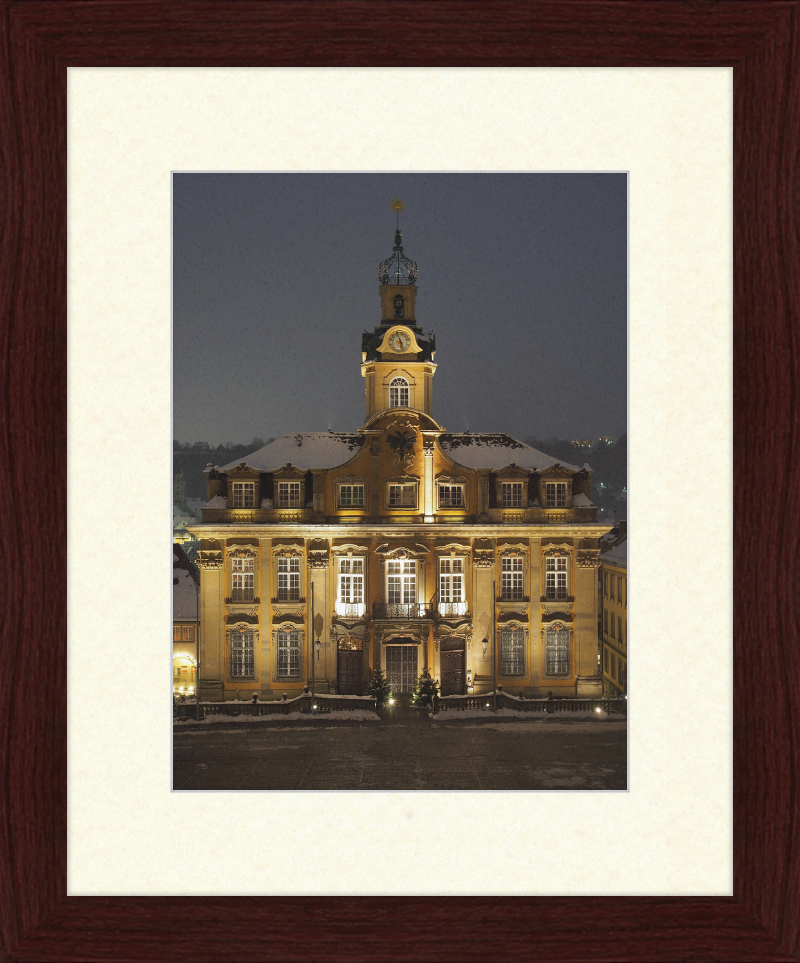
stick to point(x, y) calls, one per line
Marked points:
point(397, 358)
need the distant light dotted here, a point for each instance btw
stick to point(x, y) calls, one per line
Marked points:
point(598, 709)
point(313, 707)
point(391, 702)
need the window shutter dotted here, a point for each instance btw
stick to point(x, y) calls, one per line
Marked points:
point(492, 491)
point(267, 489)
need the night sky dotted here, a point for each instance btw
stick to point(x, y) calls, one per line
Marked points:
point(522, 277)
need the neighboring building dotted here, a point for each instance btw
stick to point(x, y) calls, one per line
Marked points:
point(182, 514)
point(185, 581)
point(614, 600)
point(399, 544)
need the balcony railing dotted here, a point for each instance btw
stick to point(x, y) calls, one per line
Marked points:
point(449, 610)
point(406, 611)
point(352, 610)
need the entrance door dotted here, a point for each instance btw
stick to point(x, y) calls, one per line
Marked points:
point(401, 667)
point(349, 668)
point(452, 666)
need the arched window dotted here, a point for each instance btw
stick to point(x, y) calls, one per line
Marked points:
point(399, 306)
point(398, 393)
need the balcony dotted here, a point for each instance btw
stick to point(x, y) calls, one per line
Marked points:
point(350, 610)
point(452, 610)
point(403, 612)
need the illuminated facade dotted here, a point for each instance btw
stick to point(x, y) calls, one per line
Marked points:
point(614, 601)
point(185, 626)
point(400, 544)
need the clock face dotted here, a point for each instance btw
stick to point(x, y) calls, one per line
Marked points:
point(399, 342)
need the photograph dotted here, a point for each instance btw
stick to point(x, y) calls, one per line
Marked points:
point(400, 481)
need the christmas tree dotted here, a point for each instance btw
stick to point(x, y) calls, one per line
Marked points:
point(425, 690)
point(379, 687)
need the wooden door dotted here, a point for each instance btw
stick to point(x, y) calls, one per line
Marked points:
point(350, 672)
point(452, 666)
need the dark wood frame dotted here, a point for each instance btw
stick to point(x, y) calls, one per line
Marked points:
point(40, 39)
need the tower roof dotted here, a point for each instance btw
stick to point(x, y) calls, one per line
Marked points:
point(397, 269)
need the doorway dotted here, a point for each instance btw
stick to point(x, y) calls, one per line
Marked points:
point(452, 672)
point(350, 662)
point(401, 667)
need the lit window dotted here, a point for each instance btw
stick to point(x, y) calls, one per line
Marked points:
point(451, 496)
point(288, 494)
point(244, 495)
point(351, 496)
point(176, 633)
point(555, 585)
point(187, 633)
point(512, 652)
point(242, 654)
point(401, 583)
point(512, 577)
point(288, 655)
point(555, 494)
point(402, 496)
point(451, 587)
point(398, 306)
point(351, 587)
point(242, 570)
point(288, 579)
point(398, 393)
point(512, 494)
point(557, 651)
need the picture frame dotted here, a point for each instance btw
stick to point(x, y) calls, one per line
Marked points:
point(759, 40)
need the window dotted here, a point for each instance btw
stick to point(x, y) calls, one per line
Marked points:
point(555, 578)
point(605, 658)
point(244, 495)
point(288, 579)
point(555, 494)
point(398, 393)
point(512, 577)
point(626, 593)
point(183, 633)
point(612, 633)
point(512, 652)
point(288, 655)
point(242, 654)
point(451, 496)
point(398, 306)
point(605, 584)
point(451, 587)
point(242, 570)
point(351, 587)
point(557, 650)
point(402, 496)
point(512, 494)
point(351, 496)
point(401, 582)
point(605, 621)
point(613, 666)
point(619, 631)
point(612, 588)
point(288, 494)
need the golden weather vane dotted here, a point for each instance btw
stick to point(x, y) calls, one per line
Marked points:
point(397, 205)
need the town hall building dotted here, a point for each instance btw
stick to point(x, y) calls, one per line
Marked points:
point(400, 544)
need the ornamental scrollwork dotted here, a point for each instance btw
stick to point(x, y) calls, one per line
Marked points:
point(402, 444)
point(589, 559)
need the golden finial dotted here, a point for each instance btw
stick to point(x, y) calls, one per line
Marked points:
point(397, 204)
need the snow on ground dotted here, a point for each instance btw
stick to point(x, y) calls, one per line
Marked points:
point(358, 715)
point(537, 717)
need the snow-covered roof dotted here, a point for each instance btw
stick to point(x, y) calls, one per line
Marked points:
point(581, 501)
point(305, 450)
point(184, 596)
point(218, 501)
point(618, 554)
point(495, 450)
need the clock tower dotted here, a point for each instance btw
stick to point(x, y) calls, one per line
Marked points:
point(397, 357)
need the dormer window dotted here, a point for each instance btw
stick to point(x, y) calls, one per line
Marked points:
point(288, 494)
point(512, 494)
point(243, 495)
point(555, 494)
point(398, 393)
point(399, 306)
